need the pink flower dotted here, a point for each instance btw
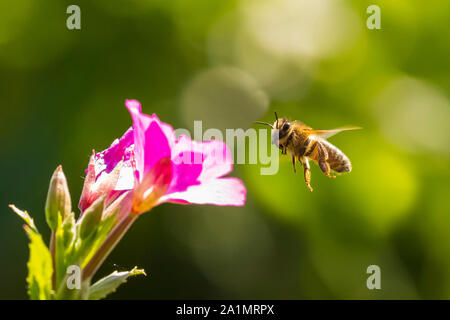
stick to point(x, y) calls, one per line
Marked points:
point(148, 165)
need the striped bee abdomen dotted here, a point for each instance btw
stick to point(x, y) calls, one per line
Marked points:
point(337, 160)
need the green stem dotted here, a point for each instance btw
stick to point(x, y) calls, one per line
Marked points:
point(108, 245)
point(52, 251)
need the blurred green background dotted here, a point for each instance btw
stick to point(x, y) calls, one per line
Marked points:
point(229, 63)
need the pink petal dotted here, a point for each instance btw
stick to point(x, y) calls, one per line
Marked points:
point(107, 160)
point(214, 156)
point(198, 162)
point(135, 106)
point(221, 192)
point(150, 141)
point(185, 173)
point(218, 161)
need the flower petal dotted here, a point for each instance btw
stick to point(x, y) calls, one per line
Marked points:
point(218, 161)
point(214, 156)
point(109, 158)
point(198, 162)
point(220, 192)
point(135, 106)
point(185, 172)
point(150, 141)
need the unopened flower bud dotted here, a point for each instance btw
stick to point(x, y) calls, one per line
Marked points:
point(58, 198)
point(91, 217)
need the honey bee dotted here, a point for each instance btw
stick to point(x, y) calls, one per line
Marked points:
point(305, 143)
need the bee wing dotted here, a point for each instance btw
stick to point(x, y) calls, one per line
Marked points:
point(325, 134)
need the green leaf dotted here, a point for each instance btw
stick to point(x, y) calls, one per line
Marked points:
point(109, 284)
point(25, 216)
point(40, 268)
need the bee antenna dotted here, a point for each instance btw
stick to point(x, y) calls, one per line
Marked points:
point(265, 123)
point(276, 118)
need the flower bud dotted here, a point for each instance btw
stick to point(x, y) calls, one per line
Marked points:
point(91, 217)
point(58, 198)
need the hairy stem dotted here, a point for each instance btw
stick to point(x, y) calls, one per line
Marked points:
point(108, 245)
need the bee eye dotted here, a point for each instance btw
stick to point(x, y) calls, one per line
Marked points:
point(286, 126)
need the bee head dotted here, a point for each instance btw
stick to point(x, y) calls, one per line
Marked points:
point(280, 128)
point(283, 125)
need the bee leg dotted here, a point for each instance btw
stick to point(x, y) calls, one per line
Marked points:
point(307, 173)
point(323, 164)
point(293, 162)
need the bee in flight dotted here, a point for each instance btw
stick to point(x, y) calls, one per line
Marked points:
point(305, 143)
